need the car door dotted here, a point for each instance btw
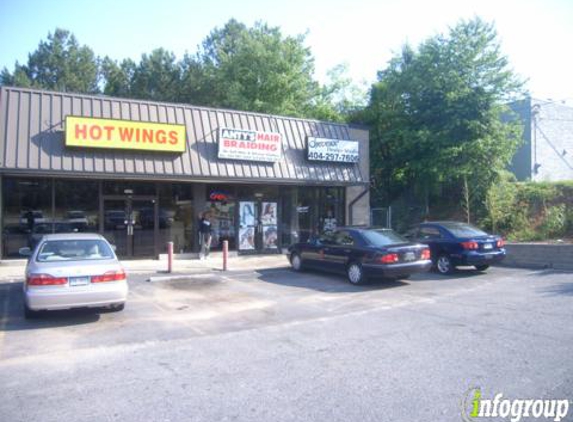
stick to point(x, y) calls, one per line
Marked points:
point(337, 254)
point(313, 252)
point(433, 237)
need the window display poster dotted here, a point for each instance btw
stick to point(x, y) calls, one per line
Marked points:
point(246, 214)
point(270, 237)
point(247, 238)
point(269, 213)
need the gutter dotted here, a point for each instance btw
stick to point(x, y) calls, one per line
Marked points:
point(353, 202)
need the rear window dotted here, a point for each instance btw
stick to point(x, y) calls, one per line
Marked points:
point(463, 230)
point(74, 250)
point(383, 237)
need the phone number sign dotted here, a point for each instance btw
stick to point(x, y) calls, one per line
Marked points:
point(333, 150)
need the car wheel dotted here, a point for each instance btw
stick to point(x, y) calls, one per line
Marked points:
point(482, 267)
point(444, 265)
point(29, 313)
point(118, 308)
point(355, 273)
point(296, 262)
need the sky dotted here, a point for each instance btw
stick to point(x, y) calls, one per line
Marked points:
point(536, 35)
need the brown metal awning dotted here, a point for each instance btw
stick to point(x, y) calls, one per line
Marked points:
point(32, 142)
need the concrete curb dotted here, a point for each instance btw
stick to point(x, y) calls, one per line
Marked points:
point(156, 279)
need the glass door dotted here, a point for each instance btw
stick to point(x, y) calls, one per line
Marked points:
point(142, 238)
point(248, 226)
point(269, 226)
point(258, 226)
point(129, 225)
point(115, 225)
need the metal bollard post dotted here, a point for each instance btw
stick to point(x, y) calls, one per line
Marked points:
point(225, 254)
point(169, 257)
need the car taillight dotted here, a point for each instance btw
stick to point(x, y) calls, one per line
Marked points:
point(109, 276)
point(425, 254)
point(45, 280)
point(390, 258)
point(470, 245)
point(500, 243)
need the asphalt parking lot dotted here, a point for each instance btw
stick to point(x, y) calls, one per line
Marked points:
point(275, 345)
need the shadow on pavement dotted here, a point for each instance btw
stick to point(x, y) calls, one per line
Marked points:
point(565, 289)
point(12, 313)
point(458, 274)
point(323, 282)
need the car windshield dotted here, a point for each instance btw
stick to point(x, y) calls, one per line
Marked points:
point(463, 230)
point(74, 250)
point(383, 237)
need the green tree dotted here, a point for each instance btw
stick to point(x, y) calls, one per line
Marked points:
point(343, 95)
point(60, 64)
point(157, 77)
point(118, 77)
point(435, 114)
point(255, 69)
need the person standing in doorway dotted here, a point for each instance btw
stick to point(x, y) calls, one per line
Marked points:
point(205, 230)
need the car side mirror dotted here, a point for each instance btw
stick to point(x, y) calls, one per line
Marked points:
point(27, 252)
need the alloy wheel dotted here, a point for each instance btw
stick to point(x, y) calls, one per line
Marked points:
point(444, 264)
point(296, 262)
point(355, 274)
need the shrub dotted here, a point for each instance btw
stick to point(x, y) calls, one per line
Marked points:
point(554, 222)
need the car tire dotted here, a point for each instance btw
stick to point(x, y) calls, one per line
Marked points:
point(296, 262)
point(444, 265)
point(355, 274)
point(482, 267)
point(118, 308)
point(29, 313)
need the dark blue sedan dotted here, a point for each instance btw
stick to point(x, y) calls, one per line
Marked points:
point(458, 244)
point(361, 254)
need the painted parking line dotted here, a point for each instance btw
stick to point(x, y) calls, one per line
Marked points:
point(3, 323)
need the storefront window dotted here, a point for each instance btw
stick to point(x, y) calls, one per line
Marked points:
point(176, 216)
point(314, 210)
point(27, 213)
point(221, 204)
point(77, 206)
point(115, 187)
point(331, 209)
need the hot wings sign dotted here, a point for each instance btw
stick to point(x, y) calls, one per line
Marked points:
point(87, 132)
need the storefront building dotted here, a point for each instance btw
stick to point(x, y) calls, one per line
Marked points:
point(142, 174)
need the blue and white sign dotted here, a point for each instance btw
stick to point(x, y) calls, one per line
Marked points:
point(333, 150)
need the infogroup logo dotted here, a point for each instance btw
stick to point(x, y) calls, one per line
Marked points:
point(474, 407)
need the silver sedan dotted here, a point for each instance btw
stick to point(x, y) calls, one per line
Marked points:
point(73, 270)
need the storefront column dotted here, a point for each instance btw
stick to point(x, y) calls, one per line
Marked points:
point(199, 202)
point(101, 210)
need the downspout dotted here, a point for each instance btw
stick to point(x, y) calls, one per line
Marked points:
point(353, 202)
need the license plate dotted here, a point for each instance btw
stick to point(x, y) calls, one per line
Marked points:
point(488, 246)
point(409, 256)
point(79, 281)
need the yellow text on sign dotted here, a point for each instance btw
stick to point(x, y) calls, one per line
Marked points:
point(121, 134)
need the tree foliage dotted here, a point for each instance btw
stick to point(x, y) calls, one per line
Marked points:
point(60, 64)
point(245, 68)
point(256, 69)
point(435, 113)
